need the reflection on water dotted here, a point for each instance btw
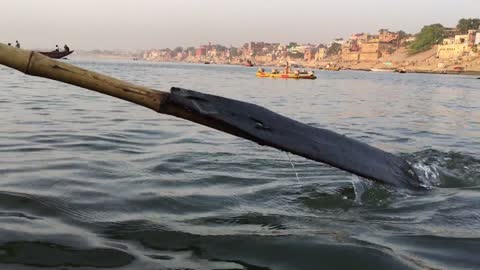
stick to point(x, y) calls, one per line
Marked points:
point(88, 181)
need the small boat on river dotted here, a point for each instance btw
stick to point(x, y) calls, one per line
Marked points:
point(248, 63)
point(382, 70)
point(295, 75)
point(332, 68)
point(57, 54)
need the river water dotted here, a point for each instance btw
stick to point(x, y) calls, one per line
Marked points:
point(92, 182)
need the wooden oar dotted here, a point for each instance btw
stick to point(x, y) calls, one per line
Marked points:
point(241, 119)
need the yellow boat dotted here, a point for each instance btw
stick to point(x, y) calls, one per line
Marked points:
point(309, 76)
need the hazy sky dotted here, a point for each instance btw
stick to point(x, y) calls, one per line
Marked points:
point(142, 24)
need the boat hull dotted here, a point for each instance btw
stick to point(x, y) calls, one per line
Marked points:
point(56, 55)
point(332, 68)
point(382, 70)
point(286, 76)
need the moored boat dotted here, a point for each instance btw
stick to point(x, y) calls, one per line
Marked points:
point(332, 68)
point(56, 54)
point(382, 70)
point(248, 63)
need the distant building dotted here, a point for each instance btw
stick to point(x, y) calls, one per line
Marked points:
point(349, 55)
point(366, 47)
point(454, 47)
point(321, 54)
point(340, 41)
point(202, 51)
point(410, 39)
point(472, 37)
point(309, 54)
point(370, 51)
point(461, 39)
point(360, 37)
point(386, 36)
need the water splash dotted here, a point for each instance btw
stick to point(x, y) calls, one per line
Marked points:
point(446, 169)
point(428, 174)
point(359, 187)
point(293, 167)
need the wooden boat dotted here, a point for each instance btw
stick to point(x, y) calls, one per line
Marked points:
point(309, 76)
point(248, 63)
point(332, 68)
point(382, 70)
point(57, 55)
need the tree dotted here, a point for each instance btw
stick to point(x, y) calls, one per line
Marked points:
point(334, 49)
point(234, 52)
point(292, 45)
point(428, 36)
point(402, 34)
point(220, 48)
point(178, 50)
point(466, 24)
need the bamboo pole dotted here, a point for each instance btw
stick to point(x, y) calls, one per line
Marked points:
point(36, 64)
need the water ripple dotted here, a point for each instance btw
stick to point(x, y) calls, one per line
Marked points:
point(91, 182)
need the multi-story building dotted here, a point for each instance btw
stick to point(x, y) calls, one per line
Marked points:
point(321, 54)
point(366, 47)
point(309, 54)
point(457, 46)
point(202, 51)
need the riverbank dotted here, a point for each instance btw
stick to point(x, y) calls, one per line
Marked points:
point(425, 62)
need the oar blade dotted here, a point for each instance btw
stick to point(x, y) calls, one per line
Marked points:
point(265, 127)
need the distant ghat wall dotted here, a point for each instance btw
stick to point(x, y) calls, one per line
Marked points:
point(369, 57)
point(449, 51)
point(349, 56)
point(370, 51)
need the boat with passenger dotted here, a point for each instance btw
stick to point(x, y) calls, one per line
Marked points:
point(57, 54)
point(287, 74)
point(310, 75)
point(248, 63)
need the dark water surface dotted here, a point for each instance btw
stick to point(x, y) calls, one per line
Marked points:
point(91, 182)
